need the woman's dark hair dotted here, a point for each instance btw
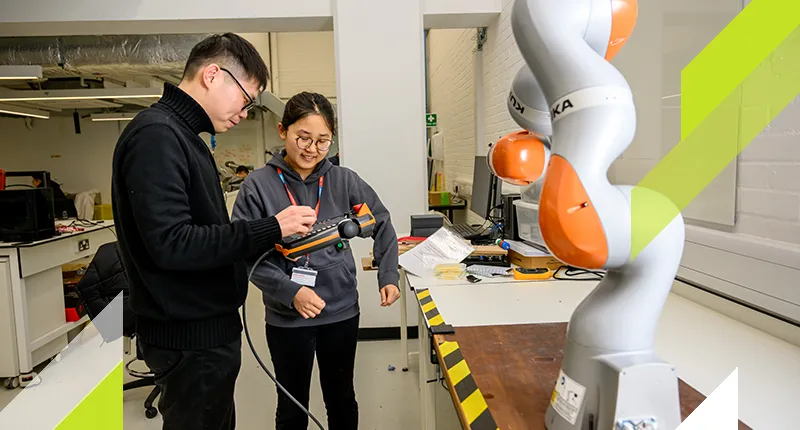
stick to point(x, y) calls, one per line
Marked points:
point(306, 103)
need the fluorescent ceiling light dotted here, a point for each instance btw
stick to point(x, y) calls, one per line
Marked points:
point(20, 72)
point(21, 111)
point(113, 116)
point(90, 94)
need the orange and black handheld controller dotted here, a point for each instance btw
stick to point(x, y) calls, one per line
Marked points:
point(331, 232)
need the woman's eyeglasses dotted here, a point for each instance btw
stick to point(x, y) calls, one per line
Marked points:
point(306, 142)
point(250, 102)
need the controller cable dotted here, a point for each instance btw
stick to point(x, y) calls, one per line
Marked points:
point(255, 354)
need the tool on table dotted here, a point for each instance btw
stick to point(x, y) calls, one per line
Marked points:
point(335, 231)
point(532, 274)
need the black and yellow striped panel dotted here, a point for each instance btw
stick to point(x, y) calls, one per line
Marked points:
point(429, 308)
point(469, 397)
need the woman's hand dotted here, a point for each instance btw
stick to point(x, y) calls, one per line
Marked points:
point(308, 303)
point(389, 295)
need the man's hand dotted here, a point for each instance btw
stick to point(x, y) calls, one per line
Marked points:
point(389, 295)
point(308, 303)
point(296, 220)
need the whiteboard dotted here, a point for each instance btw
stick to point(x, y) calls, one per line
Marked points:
point(668, 35)
point(688, 27)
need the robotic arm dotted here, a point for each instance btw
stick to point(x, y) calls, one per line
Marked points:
point(578, 116)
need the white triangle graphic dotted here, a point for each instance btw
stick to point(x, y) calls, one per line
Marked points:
point(720, 411)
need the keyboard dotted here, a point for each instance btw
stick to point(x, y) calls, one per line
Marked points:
point(467, 231)
point(489, 271)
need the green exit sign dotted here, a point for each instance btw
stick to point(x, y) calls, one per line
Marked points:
point(431, 119)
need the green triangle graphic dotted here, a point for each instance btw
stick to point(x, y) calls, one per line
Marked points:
point(101, 408)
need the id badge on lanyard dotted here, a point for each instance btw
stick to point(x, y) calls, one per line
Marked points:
point(305, 275)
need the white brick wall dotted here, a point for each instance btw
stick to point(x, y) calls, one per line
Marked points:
point(501, 61)
point(306, 63)
point(451, 72)
point(769, 181)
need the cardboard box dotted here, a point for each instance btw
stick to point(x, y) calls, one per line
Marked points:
point(547, 261)
point(439, 198)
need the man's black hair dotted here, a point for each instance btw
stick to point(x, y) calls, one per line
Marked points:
point(242, 169)
point(229, 50)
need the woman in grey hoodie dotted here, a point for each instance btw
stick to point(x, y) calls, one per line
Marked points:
point(304, 321)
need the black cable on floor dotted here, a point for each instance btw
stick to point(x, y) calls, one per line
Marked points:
point(255, 354)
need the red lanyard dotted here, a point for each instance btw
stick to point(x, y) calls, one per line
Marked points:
point(294, 202)
point(291, 197)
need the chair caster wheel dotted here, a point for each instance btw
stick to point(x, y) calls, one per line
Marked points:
point(11, 383)
point(151, 413)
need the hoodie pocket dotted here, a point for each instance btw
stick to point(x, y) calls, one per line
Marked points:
point(336, 285)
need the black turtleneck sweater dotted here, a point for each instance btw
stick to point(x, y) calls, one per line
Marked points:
point(184, 258)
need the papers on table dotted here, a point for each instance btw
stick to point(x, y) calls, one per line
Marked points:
point(442, 247)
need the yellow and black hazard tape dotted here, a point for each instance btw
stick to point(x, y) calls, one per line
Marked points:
point(429, 308)
point(470, 400)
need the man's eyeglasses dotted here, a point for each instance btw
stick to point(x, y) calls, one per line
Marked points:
point(250, 102)
point(306, 142)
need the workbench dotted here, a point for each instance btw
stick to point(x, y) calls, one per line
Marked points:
point(33, 323)
point(501, 364)
point(367, 264)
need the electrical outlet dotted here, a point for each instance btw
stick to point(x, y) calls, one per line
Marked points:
point(83, 245)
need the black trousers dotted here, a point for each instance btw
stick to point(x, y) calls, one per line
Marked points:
point(293, 351)
point(196, 386)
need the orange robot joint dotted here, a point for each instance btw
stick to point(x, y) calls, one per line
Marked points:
point(570, 224)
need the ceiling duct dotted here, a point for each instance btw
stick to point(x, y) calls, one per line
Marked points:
point(101, 55)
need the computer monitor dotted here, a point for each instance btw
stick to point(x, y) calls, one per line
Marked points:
point(486, 188)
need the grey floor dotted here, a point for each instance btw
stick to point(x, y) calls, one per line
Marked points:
point(388, 400)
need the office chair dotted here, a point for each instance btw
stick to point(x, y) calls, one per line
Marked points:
point(103, 281)
point(145, 380)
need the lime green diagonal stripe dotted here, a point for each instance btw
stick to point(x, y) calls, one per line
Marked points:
point(732, 56)
point(101, 408)
point(721, 135)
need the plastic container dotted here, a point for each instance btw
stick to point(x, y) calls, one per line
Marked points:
point(528, 221)
point(103, 212)
point(450, 271)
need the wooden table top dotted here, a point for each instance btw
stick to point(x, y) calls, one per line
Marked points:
point(515, 366)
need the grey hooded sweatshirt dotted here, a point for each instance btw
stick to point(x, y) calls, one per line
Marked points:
point(262, 194)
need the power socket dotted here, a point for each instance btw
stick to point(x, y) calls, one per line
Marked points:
point(83, 245)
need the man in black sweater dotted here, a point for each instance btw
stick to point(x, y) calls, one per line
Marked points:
point(184, 258)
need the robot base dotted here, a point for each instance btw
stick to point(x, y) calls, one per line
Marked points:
point(619, 391)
